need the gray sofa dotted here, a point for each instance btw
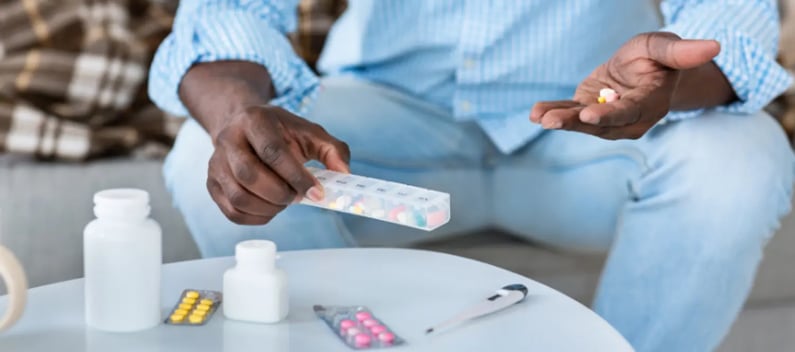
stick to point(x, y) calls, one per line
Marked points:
point(44, 206)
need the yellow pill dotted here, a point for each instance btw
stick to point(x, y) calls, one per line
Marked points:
point(177, 317)
point(189, 300)
point(192, 294)
point(203, 307)
point(199, 313)
point(206, 301)
point(602, 100)
point(181, 311)
point(195, 319)
point(185, 306)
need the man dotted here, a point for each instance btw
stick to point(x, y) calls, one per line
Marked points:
point(438, 94)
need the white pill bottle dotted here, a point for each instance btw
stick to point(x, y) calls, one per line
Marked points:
point(122, 252)
point(255, 290)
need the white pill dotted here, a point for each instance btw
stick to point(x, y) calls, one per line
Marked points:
point(606, 91)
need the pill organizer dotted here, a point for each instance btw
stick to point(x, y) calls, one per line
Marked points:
point(357, 327)
point(383, 200)
point(194, 307)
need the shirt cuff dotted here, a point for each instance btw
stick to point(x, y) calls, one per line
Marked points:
point(231, 35)
point(749, 65)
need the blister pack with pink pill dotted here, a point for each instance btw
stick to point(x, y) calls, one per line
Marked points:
point(383, 200)
point(357, 327)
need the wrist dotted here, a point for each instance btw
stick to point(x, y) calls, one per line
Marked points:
point(215, 92)
point(702, 87)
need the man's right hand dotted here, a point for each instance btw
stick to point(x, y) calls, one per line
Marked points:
point(257, 168)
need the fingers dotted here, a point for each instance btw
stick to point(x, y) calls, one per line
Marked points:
point(680, 54)
point(332, 152)
point(248, 171)
point(541, 108)
point(237, 202)
point(625, 111)
point(272, 149)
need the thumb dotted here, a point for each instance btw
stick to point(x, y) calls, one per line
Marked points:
point(671, 51)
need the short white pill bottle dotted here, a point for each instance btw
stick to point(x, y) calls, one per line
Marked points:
point(122, 253)
point(255, 290)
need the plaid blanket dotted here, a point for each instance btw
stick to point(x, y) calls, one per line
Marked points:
point(73, 74)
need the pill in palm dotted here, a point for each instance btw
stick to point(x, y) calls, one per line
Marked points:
point(607, 95)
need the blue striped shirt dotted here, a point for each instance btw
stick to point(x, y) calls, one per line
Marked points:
point(487, 61)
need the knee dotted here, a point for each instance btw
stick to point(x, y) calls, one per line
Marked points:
point(734, 172)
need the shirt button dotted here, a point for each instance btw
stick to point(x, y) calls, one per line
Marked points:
point(469, 63)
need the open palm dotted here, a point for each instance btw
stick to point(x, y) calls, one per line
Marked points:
point(644, 72)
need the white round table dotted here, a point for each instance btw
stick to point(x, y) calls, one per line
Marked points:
point(409, 290)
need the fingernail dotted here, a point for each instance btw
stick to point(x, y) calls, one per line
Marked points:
point(315, 194)
point(591, 119)
point(552, 125)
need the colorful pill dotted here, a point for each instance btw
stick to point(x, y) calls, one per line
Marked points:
point(437, 218)
point(419, 219)
point(206, 301)
point(377, 329)
point(393, 214)
point(611, 97)
point(177, 317)
point(362, 339)
point(356, 210)
point(601, 100)
point(369, 322)
point(185, 306)
point(354, 331)
point(195, 319)
point(203, 307)
point(334, 206)
point(199, 313)
point(363, 316)
point(343, 201)
point(192, 294)
point(181, 311)
point(386, 337)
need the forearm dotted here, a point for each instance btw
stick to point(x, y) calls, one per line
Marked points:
point(214, 91)
point(702, 87)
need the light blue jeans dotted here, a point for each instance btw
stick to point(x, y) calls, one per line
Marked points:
point(684, 212)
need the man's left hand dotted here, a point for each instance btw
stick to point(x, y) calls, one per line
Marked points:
point(645, 72)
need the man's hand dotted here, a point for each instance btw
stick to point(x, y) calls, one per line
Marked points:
point(646, 73)
point(257, 168)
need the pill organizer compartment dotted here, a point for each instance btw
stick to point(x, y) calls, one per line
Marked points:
point(383, 200)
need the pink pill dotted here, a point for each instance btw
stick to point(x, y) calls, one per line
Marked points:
point(362, 340)
point(611, 97)
point(377, 329)
point(347, 324)
point(354, 331)
point(436, 218)
point(370, 322)
point(386, 336)
point(363, 316)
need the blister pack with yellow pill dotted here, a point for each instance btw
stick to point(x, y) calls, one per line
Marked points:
point(194, 307)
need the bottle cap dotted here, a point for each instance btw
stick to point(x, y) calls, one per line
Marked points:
point(258, 254)
point(121, 203)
